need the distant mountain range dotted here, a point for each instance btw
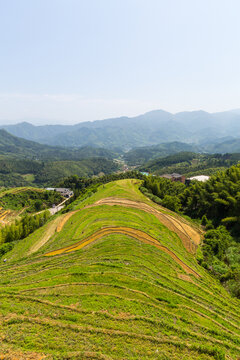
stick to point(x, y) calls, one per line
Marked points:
point(155, 127)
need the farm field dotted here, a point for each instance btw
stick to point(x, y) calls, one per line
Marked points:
point(16, 202)
point(114, 278)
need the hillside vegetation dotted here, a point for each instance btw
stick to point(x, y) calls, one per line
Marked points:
point(30, 198)
point(25, 172)
point(116, 277)
point(141, 155)
point(17, 202)
point(27, 163)
point(190, 163)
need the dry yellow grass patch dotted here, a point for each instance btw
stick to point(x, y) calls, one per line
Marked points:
point(15, 355)
point(185, 277)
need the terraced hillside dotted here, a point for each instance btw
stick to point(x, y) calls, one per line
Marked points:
point(115, 278)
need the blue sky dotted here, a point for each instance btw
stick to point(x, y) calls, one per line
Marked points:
point(68, 61)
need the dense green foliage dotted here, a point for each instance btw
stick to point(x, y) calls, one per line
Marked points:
point(20, 230)
point(217, 203)
point(80, 183)
point(53, 172)
point(218, 199)
point(25, 172)
point(29, 198)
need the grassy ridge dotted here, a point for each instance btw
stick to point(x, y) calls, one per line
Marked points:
point(118, 297)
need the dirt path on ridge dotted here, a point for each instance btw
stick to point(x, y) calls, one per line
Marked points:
point(189, 236)
point(134, 233)
point(65, 219)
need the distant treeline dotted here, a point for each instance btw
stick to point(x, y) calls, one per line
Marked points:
point(78, 184)
point(216, 203)
point(190, 163)
point(85, 187)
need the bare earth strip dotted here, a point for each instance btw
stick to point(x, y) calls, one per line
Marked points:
point(47, 234)
point(190, 237)
point(137, 234)
point(64, 220)
point(55, 226)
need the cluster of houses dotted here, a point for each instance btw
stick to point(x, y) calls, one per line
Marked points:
point(181, 178)
point(67, 193)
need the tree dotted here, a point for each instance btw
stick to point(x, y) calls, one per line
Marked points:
point(171, 202)
point(38, 205)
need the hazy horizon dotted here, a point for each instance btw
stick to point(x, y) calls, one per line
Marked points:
point(68, 61)
point(39, 122)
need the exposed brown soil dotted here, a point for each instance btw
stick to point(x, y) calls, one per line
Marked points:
point(64, 220)
point(189, 236)
point(55, 226)
point(47, 235)
point(185, 277)
point(137, 234)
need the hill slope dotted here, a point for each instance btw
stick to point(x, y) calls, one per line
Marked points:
point(189, 163)
point(19, 147)
point(24, 162)
point(115, 278)
point(138, 156)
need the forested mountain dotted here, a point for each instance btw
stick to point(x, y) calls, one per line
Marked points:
point(143, 154)
point(53, 172)
point(227, 146)
point(19, 147)
point(24, 162)
point(152, 128)
point(15, 172)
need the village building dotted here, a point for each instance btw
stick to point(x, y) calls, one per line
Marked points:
point(174, 177)
point(67, 193)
